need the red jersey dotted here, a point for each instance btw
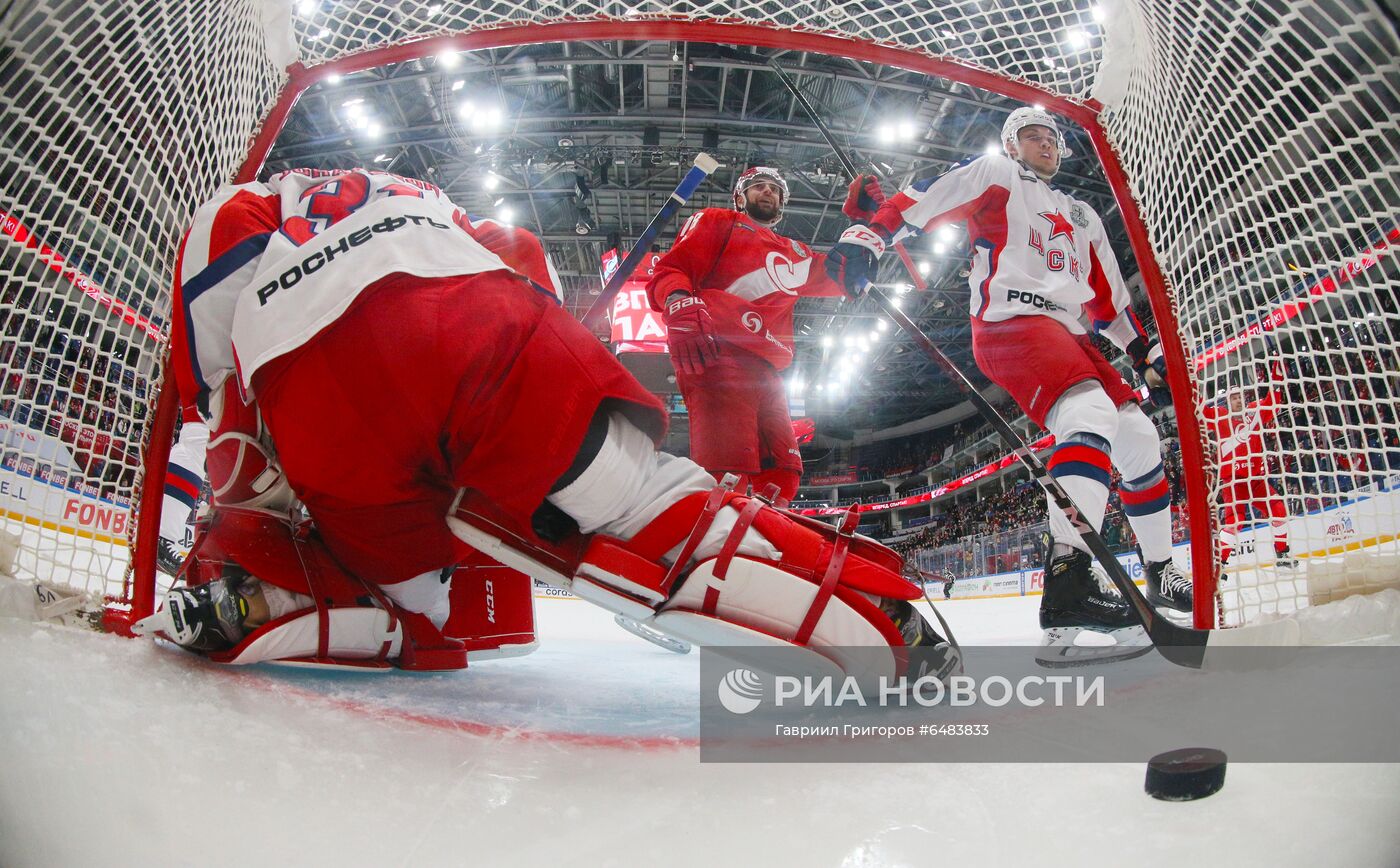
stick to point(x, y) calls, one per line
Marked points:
point(1241, 437)
point(749, 276)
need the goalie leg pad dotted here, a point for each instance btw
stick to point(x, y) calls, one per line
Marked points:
point(804, 585)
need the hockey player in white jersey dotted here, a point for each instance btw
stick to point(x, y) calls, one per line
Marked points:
point(1041, 265)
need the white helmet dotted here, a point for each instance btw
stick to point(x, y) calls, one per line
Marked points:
point(1029, 117)
point(752, 176)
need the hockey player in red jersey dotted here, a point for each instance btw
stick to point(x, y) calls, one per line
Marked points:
point(1245, 486)
point(368, 353)
point(1041, 262)
point(728, 288)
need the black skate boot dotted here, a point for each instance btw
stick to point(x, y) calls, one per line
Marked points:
point(1168, 587)
point(930, 653)
point(208, 617)
point(1284, 560)
point(168, 558)
point(1076, 600)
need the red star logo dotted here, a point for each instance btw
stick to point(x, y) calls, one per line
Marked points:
point(1059, 225)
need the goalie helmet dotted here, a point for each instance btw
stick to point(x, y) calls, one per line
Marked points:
point(754, 175)
point(1027, 116)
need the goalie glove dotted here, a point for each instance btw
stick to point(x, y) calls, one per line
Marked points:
point(1151, 368)
point(855, 259)
point(863, 198)
point(690, 333)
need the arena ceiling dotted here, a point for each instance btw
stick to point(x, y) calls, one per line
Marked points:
point(580, 141)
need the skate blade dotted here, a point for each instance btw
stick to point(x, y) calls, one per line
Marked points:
point(670, 643)
point(1058, 651)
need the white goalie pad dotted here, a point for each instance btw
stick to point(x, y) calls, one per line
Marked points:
point(353, 633)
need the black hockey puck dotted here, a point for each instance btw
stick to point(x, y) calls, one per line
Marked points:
point(1186, 774)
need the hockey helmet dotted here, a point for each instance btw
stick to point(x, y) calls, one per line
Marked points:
point(1027, 116)
point(754, 175)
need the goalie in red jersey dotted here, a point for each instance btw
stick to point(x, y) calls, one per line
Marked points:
point(404, 375)
point(728, 288)
point(1245, 487)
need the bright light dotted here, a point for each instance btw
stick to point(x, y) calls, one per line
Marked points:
point(1040, 106)
point(490, 181)
point(333, 78)
point(1098, 13)
point(874, 336)
point(324, 34)
point(306, 7)
point(448, 60)
point(435, 9)
point(458, 84)
point(466, 110)
point(477, 150)
point(947, 233)
point(992, 148)
point(505, 213)
point(907, 130)
point(1076, 39)
point(826, 342)
point(923, 268)
point(373, 129)
point(882, 325)
point(796, 386)
point(352, 102)
point(884, 134)
point(486, 120)
point(901, 289)
point(381, 158)
point(939, 248)
point(1050, 62)
point(897, 303)
point(848, 341)
point(359, 121)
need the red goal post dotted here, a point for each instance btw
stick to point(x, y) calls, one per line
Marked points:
point(115, 109)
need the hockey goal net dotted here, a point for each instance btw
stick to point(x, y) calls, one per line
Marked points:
point(1252, 147)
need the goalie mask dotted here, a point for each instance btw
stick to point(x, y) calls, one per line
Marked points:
point(754, 176)
point(1031, 117)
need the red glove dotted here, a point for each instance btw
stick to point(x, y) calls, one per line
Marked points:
point(690, 333)
point(863, 198)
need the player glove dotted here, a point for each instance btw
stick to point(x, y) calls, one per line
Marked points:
point(690, 332)
point(855, 259)
point(863, 198)
point(1151, 368)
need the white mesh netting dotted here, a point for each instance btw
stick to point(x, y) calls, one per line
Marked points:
point(1259, 139)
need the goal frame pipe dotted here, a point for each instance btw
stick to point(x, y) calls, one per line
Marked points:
point(1083, 112)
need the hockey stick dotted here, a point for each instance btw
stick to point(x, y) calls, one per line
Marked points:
point(1183, 646)
point(846, 163)
point(704, 165)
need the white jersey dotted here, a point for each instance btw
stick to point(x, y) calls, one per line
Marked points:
point(1036, 251)
point(271, 265)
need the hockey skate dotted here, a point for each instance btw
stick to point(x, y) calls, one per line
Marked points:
point(1284, 560)
point(929, 652)
point(1076, 599)
point(168, 559)
point(1168, 588)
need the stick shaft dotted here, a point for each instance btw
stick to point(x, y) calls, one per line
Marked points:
point(704, 166)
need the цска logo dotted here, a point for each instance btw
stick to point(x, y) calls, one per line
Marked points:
point(740, 691)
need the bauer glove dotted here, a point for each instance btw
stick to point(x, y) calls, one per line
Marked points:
point(855, 259)
point(1151, 368)
point(690, 333)
point(863, 198)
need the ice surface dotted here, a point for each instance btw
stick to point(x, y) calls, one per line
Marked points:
point(116, 752)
